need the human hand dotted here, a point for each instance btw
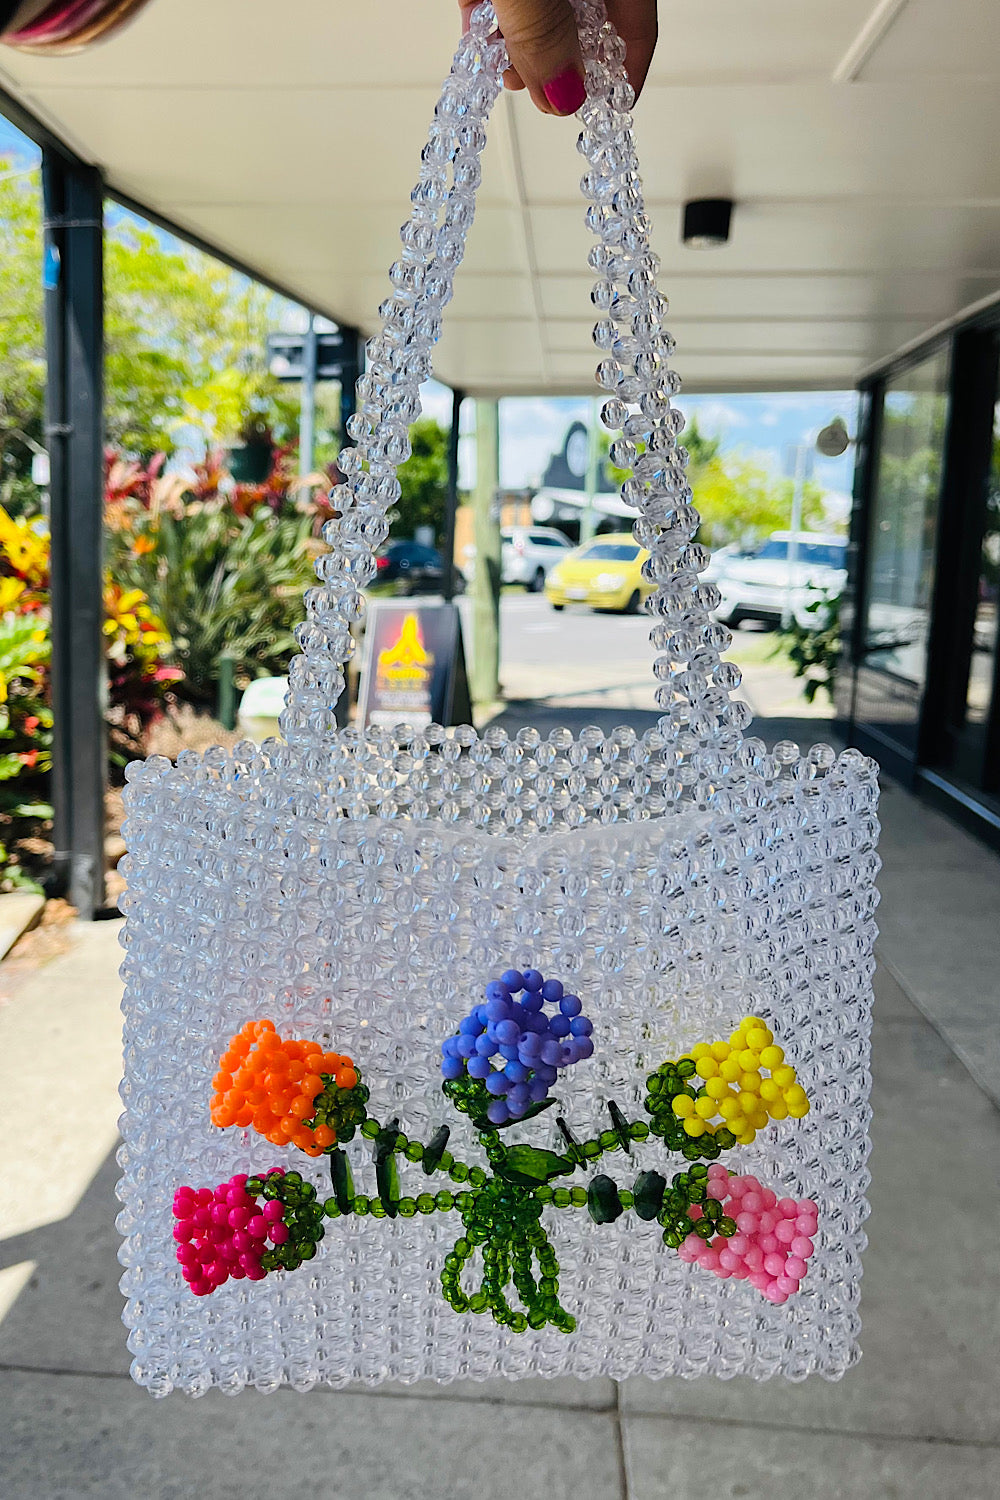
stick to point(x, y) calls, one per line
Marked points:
point(544, 47)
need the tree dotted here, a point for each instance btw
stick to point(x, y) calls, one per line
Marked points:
point(185, 342)
point(424, 480)
point(701, 450)
point(739, 501)
point(22, 344)
point(185, 339)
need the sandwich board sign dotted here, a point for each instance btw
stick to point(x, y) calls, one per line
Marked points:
point(413, 667)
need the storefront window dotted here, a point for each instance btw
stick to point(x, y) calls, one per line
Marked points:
point(904, 522)
point(984, 642)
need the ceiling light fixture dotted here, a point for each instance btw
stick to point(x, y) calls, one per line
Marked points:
point(706, 222)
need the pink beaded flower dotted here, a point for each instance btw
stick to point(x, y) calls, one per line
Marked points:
point(773, 1239)
point(224, 1232)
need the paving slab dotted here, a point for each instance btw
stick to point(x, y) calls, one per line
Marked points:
point(671, 1460)
point(929, 1307)
point(73, 1437)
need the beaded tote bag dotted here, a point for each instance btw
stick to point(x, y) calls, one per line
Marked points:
point(451, 1054)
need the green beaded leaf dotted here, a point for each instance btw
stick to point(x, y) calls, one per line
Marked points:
point(387, 1182)
point(385, 1142)
point(434, 1150)
point(574, 1149)
point(603, 1203)
point(621, 1128)
point(648, 1193)
point(343, 1181)
point(529, 1166)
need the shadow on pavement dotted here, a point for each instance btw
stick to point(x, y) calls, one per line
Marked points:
point(68, 1317)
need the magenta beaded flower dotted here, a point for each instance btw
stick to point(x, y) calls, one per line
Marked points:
point(225, 1232)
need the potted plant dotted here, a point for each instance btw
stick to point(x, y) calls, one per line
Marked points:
point(251, 456)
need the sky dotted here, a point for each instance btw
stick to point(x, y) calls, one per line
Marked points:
point(762, 426)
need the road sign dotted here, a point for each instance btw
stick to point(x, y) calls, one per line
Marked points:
point(335, 356)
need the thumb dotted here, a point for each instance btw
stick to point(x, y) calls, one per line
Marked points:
point(544, 49)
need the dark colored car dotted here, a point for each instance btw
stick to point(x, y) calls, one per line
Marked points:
point(414, 568)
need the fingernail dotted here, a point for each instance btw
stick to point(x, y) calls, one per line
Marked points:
point(466, 22)
point(566, 92)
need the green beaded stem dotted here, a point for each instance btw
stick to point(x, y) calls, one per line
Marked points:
point(670, 1081)
point(501, 1209)
point(503, 1218)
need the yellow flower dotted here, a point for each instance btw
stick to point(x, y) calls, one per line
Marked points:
point(740, 1085)
point(11, 590)
point(26, 548)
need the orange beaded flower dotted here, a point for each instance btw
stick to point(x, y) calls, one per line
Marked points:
point(283, 1090)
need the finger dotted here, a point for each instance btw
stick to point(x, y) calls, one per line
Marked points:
point(511, 79)
point(635, 22)
point(544, 50)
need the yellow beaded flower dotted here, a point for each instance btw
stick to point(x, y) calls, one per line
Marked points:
point(744, 1083)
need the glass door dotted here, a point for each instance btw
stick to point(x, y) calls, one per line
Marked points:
point(975, 752)
point(970, 743)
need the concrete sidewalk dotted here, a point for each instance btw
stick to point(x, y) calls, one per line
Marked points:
point(920, 1416)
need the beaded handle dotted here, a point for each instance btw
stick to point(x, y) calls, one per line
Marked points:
point(694, 685)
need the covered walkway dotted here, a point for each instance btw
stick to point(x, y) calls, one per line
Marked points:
point(919, 1417)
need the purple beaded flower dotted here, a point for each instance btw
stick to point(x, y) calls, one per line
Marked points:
point(514, 1047)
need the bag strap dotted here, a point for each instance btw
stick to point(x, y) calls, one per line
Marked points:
point(693, 684)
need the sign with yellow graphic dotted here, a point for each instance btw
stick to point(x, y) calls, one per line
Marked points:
point(414, 665)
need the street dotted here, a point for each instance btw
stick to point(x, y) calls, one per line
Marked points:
point(578, 660)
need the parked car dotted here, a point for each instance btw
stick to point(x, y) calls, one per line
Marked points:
point(758, 585)
point(528, 552)
point(416, 569)
point(605, 573)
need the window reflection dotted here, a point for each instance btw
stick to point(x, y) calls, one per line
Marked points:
point(984, 639)
point(904, 520)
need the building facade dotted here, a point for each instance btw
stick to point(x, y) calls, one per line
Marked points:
point(919, 687)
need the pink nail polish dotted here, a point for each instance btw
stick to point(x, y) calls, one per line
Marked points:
point(565, 92)
point(466, 22)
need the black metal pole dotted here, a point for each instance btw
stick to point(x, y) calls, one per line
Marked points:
point(451, 501)
point(74, 335)
point(353, 357)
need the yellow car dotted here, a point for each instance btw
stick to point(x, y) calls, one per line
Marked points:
point(604, 573)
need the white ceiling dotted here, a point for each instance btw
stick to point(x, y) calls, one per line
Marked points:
point(858, 138)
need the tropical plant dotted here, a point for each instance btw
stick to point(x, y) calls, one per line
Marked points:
point(814, 649)
point(225, 584)
point(25, 741)
point(140, 679)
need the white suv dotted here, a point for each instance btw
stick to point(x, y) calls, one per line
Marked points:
point(759, 585)
point(528, 552)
